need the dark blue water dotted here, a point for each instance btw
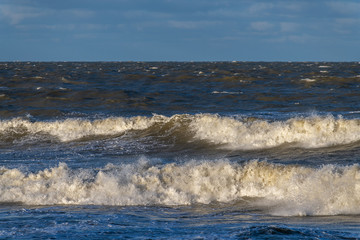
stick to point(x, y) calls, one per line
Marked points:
point(195, 150)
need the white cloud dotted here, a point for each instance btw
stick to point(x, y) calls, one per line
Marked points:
point(261, 26)
point(347, 25)
point(348, 21)
point(16, 14)
point(345, 7)
point(77, 27)
point(242, 11)
point(300, 39)
point(288, 26)
point(293, 6)
point(145, 14)
point(61, 27)
point(192, 24)
point(259, 8)
point(228, 13)
point(80, 13)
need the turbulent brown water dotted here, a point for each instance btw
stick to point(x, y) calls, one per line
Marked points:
point(51, 90)
point(179, 150)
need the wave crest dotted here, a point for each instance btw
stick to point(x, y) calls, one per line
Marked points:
point(229, 132)
point(310, 132)
point(279, 189)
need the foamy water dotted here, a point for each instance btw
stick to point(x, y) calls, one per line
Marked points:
point(233, 133)
point(308, 132)
point(72, 129)
point(288, 190)
point(179, 150)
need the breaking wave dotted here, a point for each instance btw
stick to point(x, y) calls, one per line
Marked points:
point(306, 132)
point(279, 189)
point(228, 132)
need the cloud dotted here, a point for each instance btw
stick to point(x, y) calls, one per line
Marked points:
point(16, 14)
point(191, 24)
point(261, 26)
point(345, 7)
point(303, 38)
point(348, 21)
point(223, 12)
point(75, 27)
point(242, 9)
point(259, 8)
point(347, 26)
point(145, 14)
point(80, 13)
point(299, 39)
point(288, 26)
point(293, 6)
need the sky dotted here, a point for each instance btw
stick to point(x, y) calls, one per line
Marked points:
point(179, 30)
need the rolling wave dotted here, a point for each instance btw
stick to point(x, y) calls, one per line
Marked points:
point(227, 132)
point(278, 189)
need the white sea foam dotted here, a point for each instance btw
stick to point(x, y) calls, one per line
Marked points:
point(232, 133)
point(308, 80)
point(309, 132)
point(278, 189)
point(72, 129)
point(225, 92)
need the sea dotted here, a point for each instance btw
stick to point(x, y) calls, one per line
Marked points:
point(179, 150)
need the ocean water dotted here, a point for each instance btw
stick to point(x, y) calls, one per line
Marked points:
point(179, 150)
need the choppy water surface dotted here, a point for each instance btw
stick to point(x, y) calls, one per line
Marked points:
point(225, 150)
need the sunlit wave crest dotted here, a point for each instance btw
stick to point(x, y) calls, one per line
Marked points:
point(241, 133)
point(278, 189)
